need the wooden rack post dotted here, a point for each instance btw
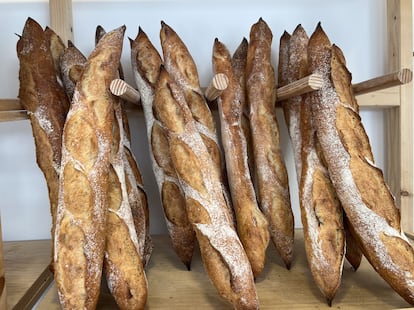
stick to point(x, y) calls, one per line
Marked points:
point(400, 119)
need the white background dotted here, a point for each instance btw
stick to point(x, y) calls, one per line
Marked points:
point(358, 27)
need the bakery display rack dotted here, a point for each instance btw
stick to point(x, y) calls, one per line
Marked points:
point(172, 287)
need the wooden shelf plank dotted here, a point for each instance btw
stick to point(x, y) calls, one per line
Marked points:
point(171, 286)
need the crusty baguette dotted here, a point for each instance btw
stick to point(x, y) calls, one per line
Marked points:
point(252, 225)
point(83, 183)
point(137, 198)
point(146, 64)
point(291, 107)
point(126, 227)
point(238, 61)
point(123, 265)
point(222, 252)
point(182, 68)
point(365, 197)
point(99, 33)
point(46, 103)
point(272, 178)
point(72, 63)
point(321, 211)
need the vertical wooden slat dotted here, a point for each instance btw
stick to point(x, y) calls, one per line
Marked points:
point(61, 20)
point(399, 119)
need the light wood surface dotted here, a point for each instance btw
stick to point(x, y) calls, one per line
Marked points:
point(299, 87)
point(218, 84)
point(125, 91)
point(171, 286)
point(61, 20)
point(400, 77)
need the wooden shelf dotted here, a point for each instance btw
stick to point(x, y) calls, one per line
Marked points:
point(171, 286)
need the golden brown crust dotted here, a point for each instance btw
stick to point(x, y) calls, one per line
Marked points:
point(222, 252)
point(291, 108)
point(82, 209)
point(180, 64)
point(124, 250)
point(353, 252)
point(238, 61)
point(272, 179)
point(72, 63)
point(46, 103)
point(252, 225)
point(366, 199)
point(146, 64)
point(321, 211)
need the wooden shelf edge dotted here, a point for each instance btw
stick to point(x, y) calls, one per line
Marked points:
point(36, 290)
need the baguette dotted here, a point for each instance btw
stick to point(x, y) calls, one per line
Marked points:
point(272, 179)
point(136, 196)
point(238, 61)
point(83, 184)
point(321, 211)
point(252, 225)
point(124, 249)
point(146, 64)
point(126, 232)
point(46, 104)
point(365, 197)
point(179, 63)
point(221, 250)
point(72, 63)
point(291, 107)
point(99, 33)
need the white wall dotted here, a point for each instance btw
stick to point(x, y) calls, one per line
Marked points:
point(358, 27)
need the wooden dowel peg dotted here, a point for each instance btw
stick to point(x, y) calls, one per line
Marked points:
point(219, 83)
point(125, 91)
point(10, 105)
point(12, 110)
point(400, 77)
point(7, 116)
point(307, 84)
